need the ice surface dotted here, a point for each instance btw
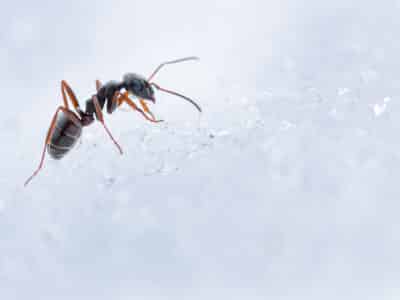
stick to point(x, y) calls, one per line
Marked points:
point(286, 187)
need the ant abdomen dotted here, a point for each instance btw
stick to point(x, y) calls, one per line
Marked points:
point(67, 131)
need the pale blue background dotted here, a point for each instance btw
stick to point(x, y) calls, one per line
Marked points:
point(285, 188)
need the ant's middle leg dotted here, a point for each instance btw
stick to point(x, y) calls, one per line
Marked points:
point(100, 117)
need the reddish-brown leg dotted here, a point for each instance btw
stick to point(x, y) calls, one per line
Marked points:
point(124, 98)
point(67, 90)
point(121, 97)
point(146, 108)
point(100, 117)
point(48, 137)
point(98, 85)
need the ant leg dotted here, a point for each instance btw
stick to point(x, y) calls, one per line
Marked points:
point(100, 117)
point(146, 108)
point(67, 90)
point(115, 101)
point(48, 137)
point(132, 104)
point(118, 97)
point(121, 97)
point(98, 85)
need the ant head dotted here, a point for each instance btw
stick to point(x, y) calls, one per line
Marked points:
point(138, 86)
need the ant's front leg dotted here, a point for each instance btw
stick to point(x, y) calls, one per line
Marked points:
point(120, 98)
point(146, 108)
point(124, 98)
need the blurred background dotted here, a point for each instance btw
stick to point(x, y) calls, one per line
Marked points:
point(285, 187)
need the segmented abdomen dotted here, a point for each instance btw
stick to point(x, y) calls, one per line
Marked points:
point(65, 135)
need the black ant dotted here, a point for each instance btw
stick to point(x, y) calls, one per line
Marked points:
point(66, 125)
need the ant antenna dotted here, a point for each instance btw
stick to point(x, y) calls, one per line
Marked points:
point(177, 94)
point(170, 63)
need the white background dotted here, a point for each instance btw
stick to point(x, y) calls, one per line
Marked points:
point(286, 187)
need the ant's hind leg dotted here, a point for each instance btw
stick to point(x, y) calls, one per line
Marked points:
point(48, 137)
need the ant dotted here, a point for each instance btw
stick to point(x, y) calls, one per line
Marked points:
point(66, 126)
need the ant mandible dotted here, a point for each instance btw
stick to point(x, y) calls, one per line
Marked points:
point(66, 126)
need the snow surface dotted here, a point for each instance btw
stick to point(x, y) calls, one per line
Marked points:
point(286, 187)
